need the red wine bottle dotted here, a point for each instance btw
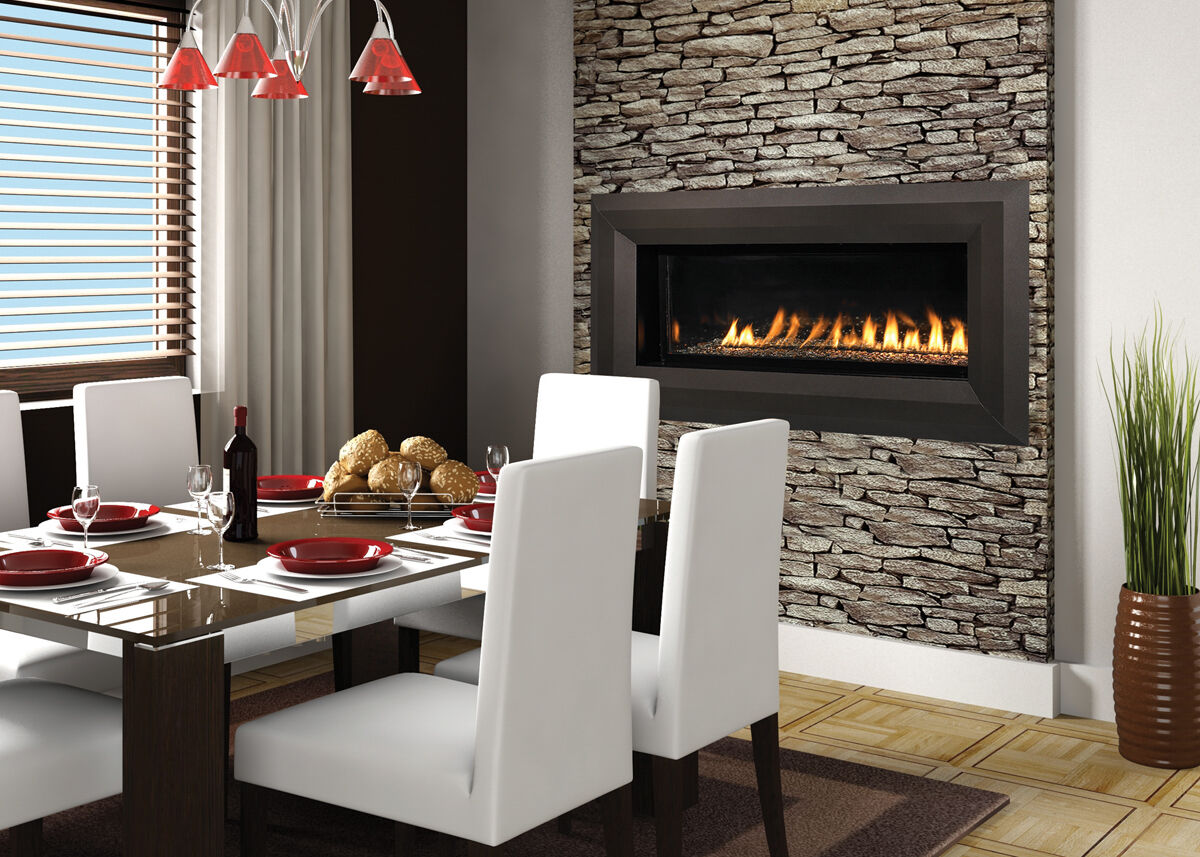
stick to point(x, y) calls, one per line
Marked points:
point(241, 477)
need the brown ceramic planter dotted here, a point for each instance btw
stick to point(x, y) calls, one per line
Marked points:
point(1156, 678)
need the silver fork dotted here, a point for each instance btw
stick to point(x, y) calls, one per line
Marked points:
point(479, 543)
point(236, 578)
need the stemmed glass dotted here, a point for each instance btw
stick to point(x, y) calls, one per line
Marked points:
point(199, 483)
point(220, 515)
point(408, 477)
point(497, 457)
point(85, 504)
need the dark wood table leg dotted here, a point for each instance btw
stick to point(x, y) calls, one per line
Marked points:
point(365, 654)
point(409, 641)
point(25, 840)
point(174, 749)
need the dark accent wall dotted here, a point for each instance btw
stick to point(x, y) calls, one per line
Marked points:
point(410, 234)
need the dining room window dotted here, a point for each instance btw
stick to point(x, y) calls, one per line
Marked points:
point(96, 181)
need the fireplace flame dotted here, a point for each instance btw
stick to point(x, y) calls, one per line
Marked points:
point(840, 333)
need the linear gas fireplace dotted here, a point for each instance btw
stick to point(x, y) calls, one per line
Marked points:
point(894, 309)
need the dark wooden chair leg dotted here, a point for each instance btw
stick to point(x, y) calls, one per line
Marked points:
point(668, 805)
point(410, 649)
point(254, 820)
point(225, 732)
point(564, 824)
point(475, 849)
point(25, 840)
point(406, 840)
point(765, 734)
point(618, 822)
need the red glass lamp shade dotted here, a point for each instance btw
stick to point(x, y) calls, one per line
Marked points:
point(245, 56)
point(283, 86)
point(381, 60)
point(408, 87)
point(187, 68)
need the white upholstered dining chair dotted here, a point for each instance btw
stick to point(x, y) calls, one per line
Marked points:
point(136, 439)
point(575, 413)
point(546, 729)
point(714, 666)
point(14, 500)
point(60, 747)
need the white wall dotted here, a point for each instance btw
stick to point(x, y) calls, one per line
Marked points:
point(520, 75)
point(1127, 221)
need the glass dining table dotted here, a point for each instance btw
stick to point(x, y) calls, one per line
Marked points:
point(174, 673)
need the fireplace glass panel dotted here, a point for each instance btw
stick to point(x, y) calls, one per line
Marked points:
point(875, 309)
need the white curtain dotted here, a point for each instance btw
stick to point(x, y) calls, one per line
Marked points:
point(274, 283)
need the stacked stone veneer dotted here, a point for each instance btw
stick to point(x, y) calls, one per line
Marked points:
point(937, 542)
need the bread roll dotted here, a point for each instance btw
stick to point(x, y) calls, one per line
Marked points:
point(384, 477)
point(357, 502)
point(362, 451)
point(345, 483)
point(336, 471)
point(455, 482)
point(425, 451)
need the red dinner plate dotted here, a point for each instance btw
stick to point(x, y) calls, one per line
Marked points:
point(477, 516)
point(110, 518)
point(487, 482)
point(290, 487)
point(48, 567)
point(329, 556)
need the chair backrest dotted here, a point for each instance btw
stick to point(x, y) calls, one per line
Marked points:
point(579, 413)
point(552, 727)
point(14, 499)
point(718, 667)
point(135, 439)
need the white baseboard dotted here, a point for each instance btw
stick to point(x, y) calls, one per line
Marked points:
point(1086, 691)
point(899, 665)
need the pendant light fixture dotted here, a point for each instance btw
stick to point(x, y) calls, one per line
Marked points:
point(381, 66)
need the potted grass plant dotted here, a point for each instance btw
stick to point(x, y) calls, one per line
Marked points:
point(1156, 650)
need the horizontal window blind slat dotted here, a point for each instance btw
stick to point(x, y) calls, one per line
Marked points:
point(62, 75)
point(78, 28)
point(92, 129)
point(93, 275)
point(95, 144)
point(41, 344)
point(99, 359)
point(21, 294)
point(77, 61)
point(94, 227)
point(87, 46)
point(81, 309)
point(88, 209)
point(92, 324)
point(88, 177)
point(89, 194)
point(95, 260)
point(94, 96)
point(99, 162)
point(90, 242)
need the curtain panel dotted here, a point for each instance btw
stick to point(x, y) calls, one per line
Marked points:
point(275, 274)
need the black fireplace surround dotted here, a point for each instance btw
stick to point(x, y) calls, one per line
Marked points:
point(672, 272)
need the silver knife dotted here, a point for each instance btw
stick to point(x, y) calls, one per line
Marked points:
point(430, 554)
point(411, 557)
point(108, 590)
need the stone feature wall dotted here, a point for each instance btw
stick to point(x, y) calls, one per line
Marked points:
point(941, 543)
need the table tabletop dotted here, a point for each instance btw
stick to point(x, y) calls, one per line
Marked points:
point(194, 613)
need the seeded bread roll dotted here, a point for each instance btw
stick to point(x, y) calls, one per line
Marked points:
point(344, 484)
point(336, 471)
point(362, 451)
point(425, 451)
point(384, 477)
point(454, 481)
point(357, 502)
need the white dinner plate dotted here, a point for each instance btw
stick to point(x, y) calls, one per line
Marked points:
point(52, 529)
point(459, 527)
point(104, 571)
point(275, 567)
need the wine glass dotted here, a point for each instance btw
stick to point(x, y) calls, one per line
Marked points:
point(497, 457)
point(85, 504)
point(220, 514)
point(199, 483)
point(408, 477)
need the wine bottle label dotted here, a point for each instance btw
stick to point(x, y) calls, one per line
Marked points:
point(225, 484)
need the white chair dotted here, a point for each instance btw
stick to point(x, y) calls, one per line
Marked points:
point(575, 413)
point(136, 439)
point(546, 730)
point(60, 747)
point(714, 668)
point(21, 655)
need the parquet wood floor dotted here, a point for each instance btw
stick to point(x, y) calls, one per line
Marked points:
point(1071, 793)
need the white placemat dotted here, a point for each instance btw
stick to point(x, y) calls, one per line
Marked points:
point(315, 588)
point(455, 538)
point(263, 511)
point(167, 521)
point(44, 600)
